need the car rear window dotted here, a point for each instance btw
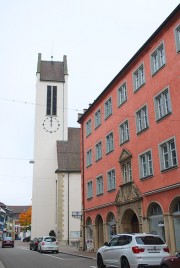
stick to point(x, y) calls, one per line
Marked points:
point(8, 238)
point(149, 240)
point(50, 239)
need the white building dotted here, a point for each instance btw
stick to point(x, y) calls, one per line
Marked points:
point(56, 170)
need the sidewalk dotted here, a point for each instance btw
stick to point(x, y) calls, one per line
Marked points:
point(76, 252)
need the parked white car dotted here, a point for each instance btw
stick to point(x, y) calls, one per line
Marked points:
point(132, 251)
point(48, 244)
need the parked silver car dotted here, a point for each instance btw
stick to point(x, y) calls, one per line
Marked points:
point(48, 244)
point(132, 251)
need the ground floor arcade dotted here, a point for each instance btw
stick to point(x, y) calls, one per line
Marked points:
point(157, 213)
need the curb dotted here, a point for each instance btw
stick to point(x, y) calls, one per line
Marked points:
point(77, 255)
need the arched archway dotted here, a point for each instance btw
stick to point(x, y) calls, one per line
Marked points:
point(130, 222)
point(156, 220)
point(89, 228)
point(99, 231)
point(175, 212)
point(111, 225)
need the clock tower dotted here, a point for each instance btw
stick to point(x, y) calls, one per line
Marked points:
point(50, 126)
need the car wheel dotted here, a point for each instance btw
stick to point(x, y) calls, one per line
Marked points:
point(100, 263)
point(125, 263)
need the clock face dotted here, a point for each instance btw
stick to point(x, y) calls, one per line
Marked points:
point(51, 124)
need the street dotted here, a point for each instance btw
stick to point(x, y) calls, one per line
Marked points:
point(22, 257)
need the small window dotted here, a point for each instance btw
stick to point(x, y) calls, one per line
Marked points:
point(162, 104)
point(127, 172)
point(146, 165)
point(168, 155)
point(177, 38)
point(98, 151)
point(89, 189)
point(111, 179)
point(124, 132)
point(51, 105)
point(88, 127)
point(89, 158)
point(108, 108)
point(97, 118)
point(122, 94)
point(142, 119)
point(139, 77)
point(109, 143)
point(158, 59)
point(99, 185)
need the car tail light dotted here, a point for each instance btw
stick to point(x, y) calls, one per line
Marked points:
point(166, 249)
point(137, 250)
point(43, 243)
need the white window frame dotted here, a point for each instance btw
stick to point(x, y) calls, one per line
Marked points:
point(97, 118)
point(124, 132)
point(108, 108)
point(139, 77)
point(168, 154)
point(99, 185)
point(142, 121)
point(158, 58)
point(146, 164)
point(98, 150)
point(127, 171)
point(177, 38)
point(89, 189)
point(111, 180)
point(109, 142)
point(122, 94)
point(88, 127)
point(162, 104)
point(89, 158)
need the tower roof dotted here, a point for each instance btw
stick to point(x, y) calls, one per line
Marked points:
point(52, 70)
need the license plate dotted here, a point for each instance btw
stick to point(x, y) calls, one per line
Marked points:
point(153, 250)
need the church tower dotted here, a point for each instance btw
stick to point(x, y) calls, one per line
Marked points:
point(51, 124)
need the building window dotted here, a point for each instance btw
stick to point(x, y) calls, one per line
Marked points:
point(138, 77)
point(88, 127)
point(146, 165)
point(99, 185)
point(89, 189)
point(124, 132)
point(122, 94)
point(51, 105)
point(111, 180)
point(97, 118)
point(89, 158)
point(168, 155)
point(142, 119)
point(98, 151)
point(158, 59)
point(177, 37)
point(109, 143)
point(162, 104)
point(108, 107)
point(127, 172)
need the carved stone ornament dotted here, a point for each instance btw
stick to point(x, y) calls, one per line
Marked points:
point(128, 193)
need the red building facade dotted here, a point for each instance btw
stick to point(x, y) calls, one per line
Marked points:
point(130, 145)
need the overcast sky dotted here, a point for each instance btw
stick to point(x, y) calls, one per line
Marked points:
point(98, 37)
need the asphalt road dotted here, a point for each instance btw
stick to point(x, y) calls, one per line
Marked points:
point(19, 257)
